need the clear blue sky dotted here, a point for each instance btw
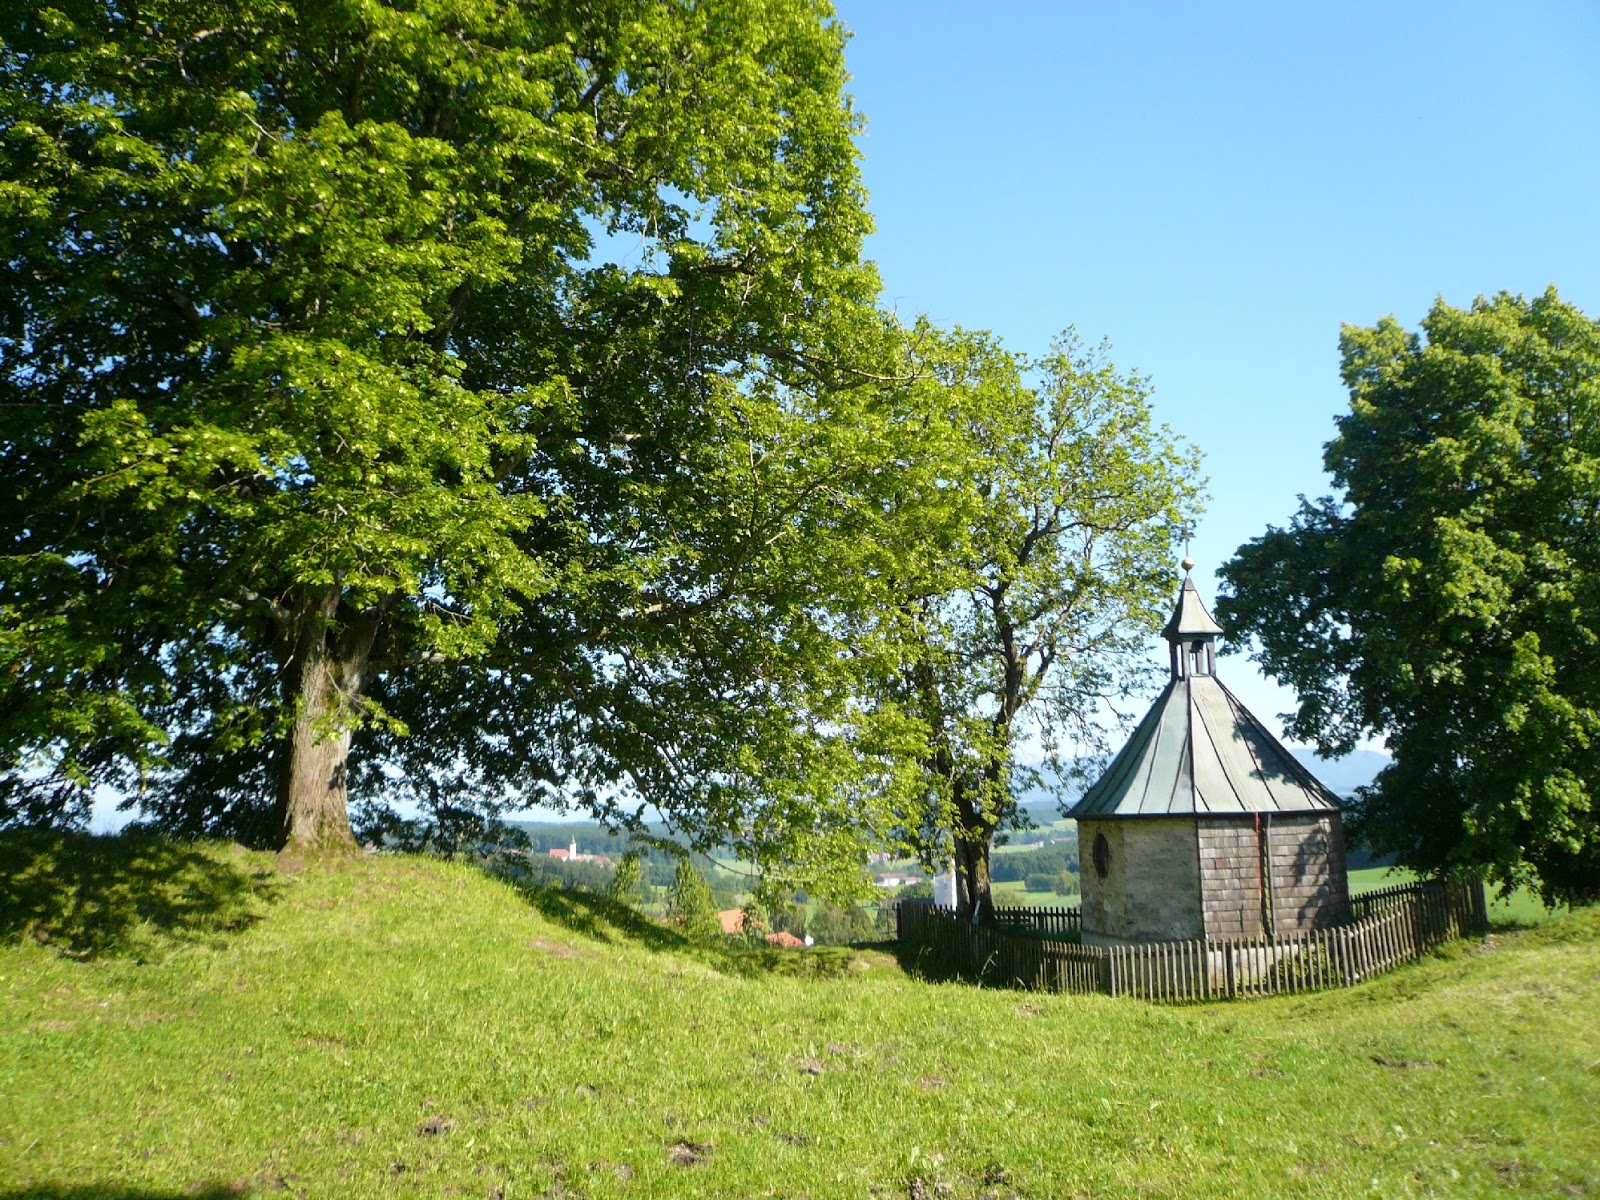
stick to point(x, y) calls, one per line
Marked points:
point(1216, 188)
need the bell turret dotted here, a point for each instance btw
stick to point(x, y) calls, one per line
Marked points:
point(1192, 632)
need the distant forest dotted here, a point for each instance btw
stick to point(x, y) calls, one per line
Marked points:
point(1051, 868)
point(656, 865)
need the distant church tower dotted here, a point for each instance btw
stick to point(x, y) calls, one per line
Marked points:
point(1205, 825)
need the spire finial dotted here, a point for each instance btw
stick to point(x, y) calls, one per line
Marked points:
point(1186, 531)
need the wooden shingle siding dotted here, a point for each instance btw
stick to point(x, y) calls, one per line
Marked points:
point(1296, 859)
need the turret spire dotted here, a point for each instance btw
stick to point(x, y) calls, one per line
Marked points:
point(1192, 632)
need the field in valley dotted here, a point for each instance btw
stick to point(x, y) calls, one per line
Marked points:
point(186, 1021)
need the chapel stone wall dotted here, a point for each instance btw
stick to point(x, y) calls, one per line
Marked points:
point(1151, 890)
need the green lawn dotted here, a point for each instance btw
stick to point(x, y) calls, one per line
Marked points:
point(1015, 892)
point(179, 1022)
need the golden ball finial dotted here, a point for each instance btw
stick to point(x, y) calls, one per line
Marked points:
point(1188, 565)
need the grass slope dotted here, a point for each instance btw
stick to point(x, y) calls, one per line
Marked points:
point(411, 1028)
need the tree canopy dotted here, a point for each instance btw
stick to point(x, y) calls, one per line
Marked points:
point(463, 400)
point(1448, 599)
point(484, 403)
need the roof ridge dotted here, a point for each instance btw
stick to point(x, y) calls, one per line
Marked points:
point(1196, 800)
point(1227, 776)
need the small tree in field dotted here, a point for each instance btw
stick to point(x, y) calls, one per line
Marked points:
point(841, 925)
point(625, 886)
point(757, 922)
point(789, 917)
point(691, 906)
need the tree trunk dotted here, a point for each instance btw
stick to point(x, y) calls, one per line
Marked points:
point(322, 679)
point(314, 800)
point(972, 867)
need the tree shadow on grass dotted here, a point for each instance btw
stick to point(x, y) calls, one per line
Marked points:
point(601, 918)
point(91, 1191)
point(612, 922)
point(928, 965)
point(131, 893)
point(921, 962)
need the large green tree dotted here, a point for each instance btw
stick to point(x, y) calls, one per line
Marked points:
point(1059, 498)
point(464, 399)
point(1448, 599)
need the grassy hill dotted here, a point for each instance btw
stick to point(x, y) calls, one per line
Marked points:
point(186, 1021)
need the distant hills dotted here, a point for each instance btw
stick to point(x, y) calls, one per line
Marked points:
point(1343, 775)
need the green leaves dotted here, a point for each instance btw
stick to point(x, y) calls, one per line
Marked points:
point(691, 906)
point(1448, 601)
point(1048, 498)
point(315, 365)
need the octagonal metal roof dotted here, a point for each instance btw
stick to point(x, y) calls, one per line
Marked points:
point(1199, 749)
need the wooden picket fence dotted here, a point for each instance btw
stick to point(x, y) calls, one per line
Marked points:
point(1391, 926)
point(1381, 900)
point(1062, 922)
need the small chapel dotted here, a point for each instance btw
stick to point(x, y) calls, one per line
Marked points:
point(1205, 825)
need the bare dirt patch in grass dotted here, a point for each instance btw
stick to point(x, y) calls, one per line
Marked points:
point(1403, 1064)
point(688, 1154)
point(555, 949)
